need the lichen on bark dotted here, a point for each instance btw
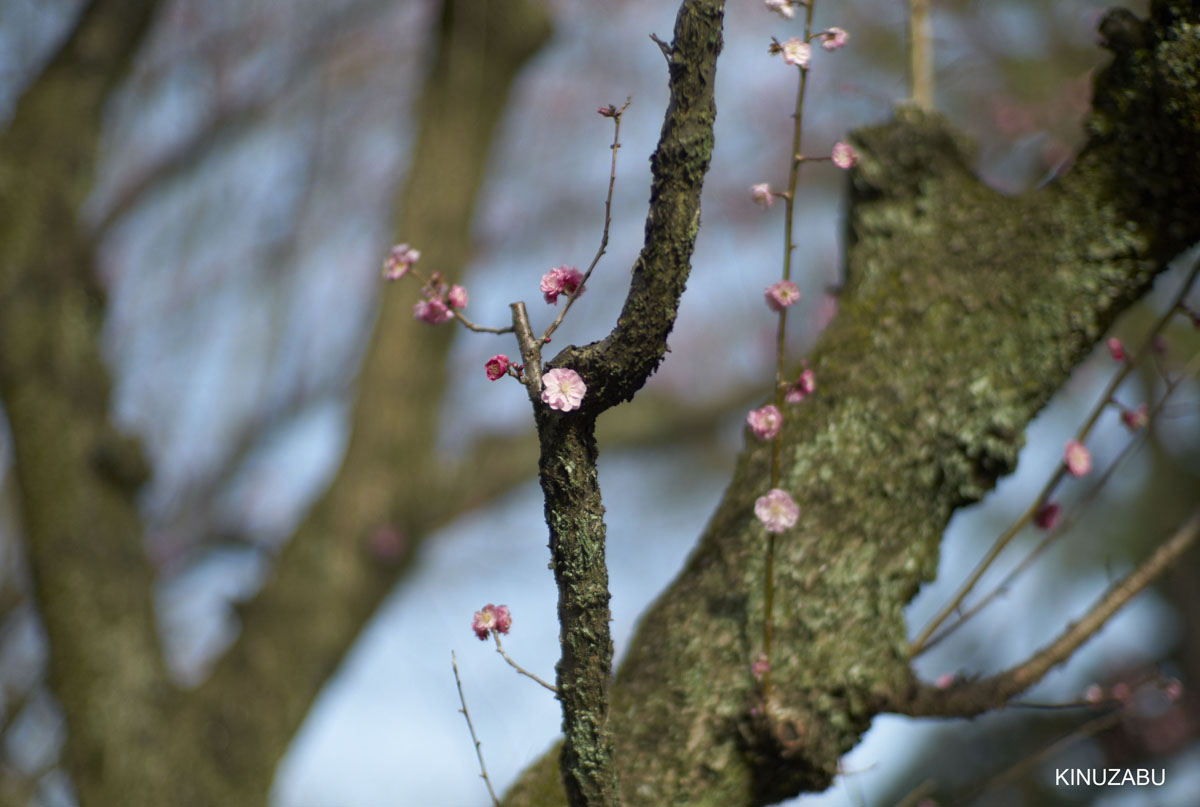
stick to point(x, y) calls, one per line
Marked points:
point(964, 311)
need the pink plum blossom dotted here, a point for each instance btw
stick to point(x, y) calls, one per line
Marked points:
point(1094, 693)
point(1116, 349)
point(1135, 418)
point(834, 38)
point(561, 280)
point(457, 297)
point(796, 52)
point(1047, 517)
point(563, 389)
point(776, 510)
point(781, 7)
point(484, 621)
point(1077, 458)
point(844, 156)
point(434, 311)
point(761, 194)
point(765, 422)
point(801, 388)
point(760, 666)
point(503, 619)
point(946, 680)
point(782, 294)
point(496, 366)
point(399, 260)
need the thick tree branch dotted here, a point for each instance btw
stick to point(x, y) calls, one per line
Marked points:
point(964, 312)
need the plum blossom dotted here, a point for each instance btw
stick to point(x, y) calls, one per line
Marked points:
point(1135, 418)
point(761, 194)
point(765, 422)
point(782, 294)
point(434, 311)
point(457, 297)
point(399, 260)
point(844, 156)
point(503, 619)
point(561, 280)
point(781, 7)
point(563, 389)
point(796, 52)
point(484, 621)
point(1047, 517)
point(776, 510)
point(496, 366)
point(801, 388)
point(1077, 458)
point(1116, 349)
point(760, 666)
point(834, 38)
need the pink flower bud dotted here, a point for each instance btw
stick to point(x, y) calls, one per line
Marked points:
point(1077, 458)
point(760, 666)
point(457, 297)
point(946, 680)
point(801, 388)
point(761, 194)
point(833, 39)
point(1116, 349)
point(765, 422)
point(1047, 517)
point(503, 619)
point(1136, 418)
point(782, 294)
point(496, 366)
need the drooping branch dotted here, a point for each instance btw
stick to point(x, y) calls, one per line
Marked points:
point(964, 311)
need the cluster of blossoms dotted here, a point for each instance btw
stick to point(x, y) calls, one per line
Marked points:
point(440, 301)
point(561, 280)
point(399, 260)
point(491, 618)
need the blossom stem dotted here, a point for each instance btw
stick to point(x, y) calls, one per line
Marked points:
point(781, 335)
point(518, 667)
point(612, 181)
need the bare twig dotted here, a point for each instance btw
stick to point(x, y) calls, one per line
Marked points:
point(989, 693)
point(920, 55)
point(478, 750)
point(519, 668)
point(921, 643)
point(612, 181)
point(1192, 367)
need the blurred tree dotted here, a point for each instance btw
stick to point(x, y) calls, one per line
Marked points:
point(963, 311)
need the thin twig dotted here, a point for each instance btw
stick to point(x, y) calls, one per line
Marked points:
point(920, 55)
point(919, 645)
point(471, 326)
point(478, 751)
point(789, 200)
point(1192, 367)
point(612, 181)
point(519, 668)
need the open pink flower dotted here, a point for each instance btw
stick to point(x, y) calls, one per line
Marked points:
point(484, 621)
point(777, 510)
point(434, 311)
point(801, 388)
point(765, 422)
point(781, 7)
point(563, 389)
point(496, 366)
point(833, 39)
point(796, 52)
point(782, 294)
point(761, 194)
point(399, 260)
point(457, 297)
point(844, 156)
point(561, 280)
point(1077, 458)
point(760, 666)
point(503, 619)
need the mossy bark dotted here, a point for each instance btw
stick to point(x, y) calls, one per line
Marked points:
point(964, 311)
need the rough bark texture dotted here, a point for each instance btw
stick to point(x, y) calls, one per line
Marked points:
point(614, 369)
point(133, 738)
point(964, 311)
